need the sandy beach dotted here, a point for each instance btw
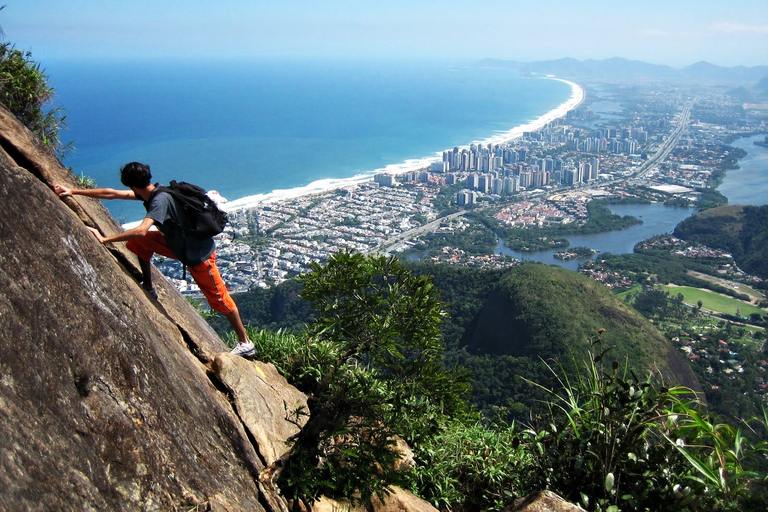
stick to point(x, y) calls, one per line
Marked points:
point(577, 96)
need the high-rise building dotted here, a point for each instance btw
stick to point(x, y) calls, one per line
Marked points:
point(484, 183)
point(571, 176)
point(465, 198)
point(386, 180)
point(511, 184)
point(439, 166)
point(594, 171)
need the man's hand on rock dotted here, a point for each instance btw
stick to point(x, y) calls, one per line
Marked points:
point(62, 191)
point(96, 234)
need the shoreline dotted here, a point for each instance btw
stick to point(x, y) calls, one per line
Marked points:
point(324, 185)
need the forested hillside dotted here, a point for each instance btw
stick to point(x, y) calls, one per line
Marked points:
point(503, 325)
point(740, 230)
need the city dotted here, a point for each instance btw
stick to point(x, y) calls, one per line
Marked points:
point(668, 146)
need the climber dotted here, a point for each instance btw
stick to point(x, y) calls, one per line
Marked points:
point(169, 241)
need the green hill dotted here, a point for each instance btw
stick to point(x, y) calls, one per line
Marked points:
point(740, 230)
point(539, 313)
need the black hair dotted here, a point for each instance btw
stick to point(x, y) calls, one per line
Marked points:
point(135, 174)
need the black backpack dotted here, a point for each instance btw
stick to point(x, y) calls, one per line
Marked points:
point(202, 218)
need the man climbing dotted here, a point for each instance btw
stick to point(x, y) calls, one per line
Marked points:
point(170, 241)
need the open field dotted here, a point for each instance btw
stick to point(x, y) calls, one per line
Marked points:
point(738, 287)
point(713, 301)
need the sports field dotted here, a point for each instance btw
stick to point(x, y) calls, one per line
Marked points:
point(713, 301)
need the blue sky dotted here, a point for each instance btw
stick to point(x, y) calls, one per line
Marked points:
point(672, 32)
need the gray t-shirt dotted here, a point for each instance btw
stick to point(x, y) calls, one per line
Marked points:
point(162, 208)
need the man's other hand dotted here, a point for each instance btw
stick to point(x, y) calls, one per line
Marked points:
point(62, 191)
point(96, 234)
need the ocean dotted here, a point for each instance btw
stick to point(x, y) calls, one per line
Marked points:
point(250, 129)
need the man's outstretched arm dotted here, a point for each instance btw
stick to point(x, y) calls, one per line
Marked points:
point(99, 193)
point(136, 232)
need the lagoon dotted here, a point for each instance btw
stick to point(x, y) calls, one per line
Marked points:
point(657, 219)
point(749, 183)
point(746, 185)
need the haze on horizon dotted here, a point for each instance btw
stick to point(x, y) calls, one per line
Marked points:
point(671, 32)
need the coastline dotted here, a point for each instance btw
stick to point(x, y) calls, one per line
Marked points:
point(324, 185)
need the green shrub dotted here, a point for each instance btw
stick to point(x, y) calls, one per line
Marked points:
point(371, 366)
point(472, 467)
point(25, 93)
point(726, 460)
point(601, 440)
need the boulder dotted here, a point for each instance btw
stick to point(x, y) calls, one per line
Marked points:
point(265, 402)
point(543, 501)
point(399, 500)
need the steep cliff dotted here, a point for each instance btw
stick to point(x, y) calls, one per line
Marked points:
point(109, 399)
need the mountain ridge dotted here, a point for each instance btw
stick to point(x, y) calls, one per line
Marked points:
point(619, 68)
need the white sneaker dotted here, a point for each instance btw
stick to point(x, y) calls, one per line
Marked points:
point(244, 349)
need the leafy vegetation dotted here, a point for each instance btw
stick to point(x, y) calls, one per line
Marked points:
point(600, 440)
point(601, 435)
point(371, 365)
point(608, 440)
point(473, 467)
point(25, 92)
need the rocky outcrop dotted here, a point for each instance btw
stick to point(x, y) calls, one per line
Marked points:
point(543, 501)
point(270, 409)
point(111, 400)
point(398, 500)
point(108, 398)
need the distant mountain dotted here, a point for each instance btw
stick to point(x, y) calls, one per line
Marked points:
point(623, 69)
point(711, 72)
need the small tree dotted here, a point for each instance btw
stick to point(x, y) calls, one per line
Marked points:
point(378, 373)
point(25, 92)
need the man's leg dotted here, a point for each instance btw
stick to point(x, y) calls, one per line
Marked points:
point(144, 248)
point(146, 272)
point(237, 325)
point(208, 278)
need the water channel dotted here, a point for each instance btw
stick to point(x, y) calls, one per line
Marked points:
point(746, 185)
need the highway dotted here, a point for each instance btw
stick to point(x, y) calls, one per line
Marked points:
point(669, 144)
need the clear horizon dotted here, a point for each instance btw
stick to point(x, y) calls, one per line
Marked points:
point(676, 34)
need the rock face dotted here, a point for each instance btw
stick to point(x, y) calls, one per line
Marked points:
point(265, 401)
point(398, 500)
point(108, 399)
point(543, 501)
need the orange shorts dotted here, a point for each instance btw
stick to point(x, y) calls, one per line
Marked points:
point(206, 274)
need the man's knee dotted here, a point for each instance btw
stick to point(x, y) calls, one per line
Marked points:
point(138, 249)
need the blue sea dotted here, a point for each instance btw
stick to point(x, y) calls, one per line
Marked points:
point(250, 128)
